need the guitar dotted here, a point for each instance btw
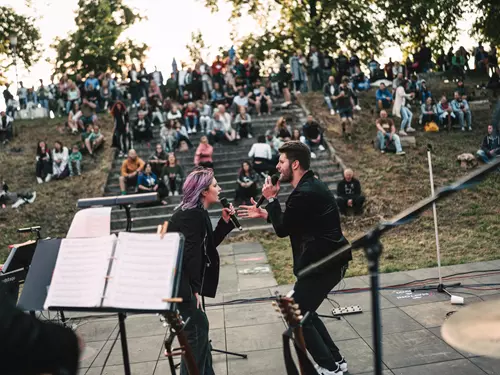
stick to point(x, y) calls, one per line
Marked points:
point(176, 325)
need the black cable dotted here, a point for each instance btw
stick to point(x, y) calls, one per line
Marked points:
point(102, 348)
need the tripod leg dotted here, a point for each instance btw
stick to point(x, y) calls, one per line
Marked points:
point(123, 336)
point(230, 353)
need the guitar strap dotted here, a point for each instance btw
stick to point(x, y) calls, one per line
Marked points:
point(291, 368)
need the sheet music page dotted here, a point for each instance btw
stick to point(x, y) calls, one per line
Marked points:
point(91, 222)
point(80, 273)
point(143, 271)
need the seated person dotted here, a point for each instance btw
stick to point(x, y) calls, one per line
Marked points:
point(180, 137)
point(94, 140)
point(218, 96)
point(154, 95)
point(147, 181)
point(275, 144)
point(172, 175)
point(191, 118)
point(60, 157)
point(75, 161)
point(384, 97)
point(490, 148)
point(174, 114)
point(282, 130)
point(145, 109)
point(205, 112)
point(344, 96)
point(262, 156)
point(494, 82)
point(374, 67)
point(297, 136)
point(215, 129)
point(92, 96)
point(243, 123)
point(424, 92)
point(429, 112)
point(43, 163)
point(5, 127)
point(386, 133)
point(461, 88)
point(73, 117)
point(349, 194)
point(225, 118)
point(17, 199)
point(246, 185)
point(131, 167)
point(158, 160)
point(263, 102)
point(359, 81)
point(329, 92)
point(142, 128)
point(240, 101)
point(445, 113)
point(203, 155)
point(461, 109)
point(88, 116)
point(313, 135)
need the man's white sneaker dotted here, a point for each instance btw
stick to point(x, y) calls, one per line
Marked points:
point(170, 194)
point(324, 371)
point(321, 148)
point(176, 193)
point(403, 133)
point(400, 153)
point(343, 365)
point(463, 129)
point(357, 107)
point(313, 155)
point(332, 112)
point(409, 129)
point(39, 180)
point(238, 136)
point(249, 136)
point(470, 129)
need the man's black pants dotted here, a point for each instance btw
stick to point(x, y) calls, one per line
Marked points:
point(357, 203)
point(309, 294)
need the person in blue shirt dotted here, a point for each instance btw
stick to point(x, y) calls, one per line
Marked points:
point(461, 109)
point(384, 97)
point(91, 80)
point(147, 181)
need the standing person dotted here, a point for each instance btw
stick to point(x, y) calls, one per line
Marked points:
point(121, 130)
point(349, 193)
point(344, 96)
point(312, 221)
point(203, 155)
point(200, 263)
point(401, 110)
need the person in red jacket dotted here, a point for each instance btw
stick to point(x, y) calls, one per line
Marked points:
point(217, 70)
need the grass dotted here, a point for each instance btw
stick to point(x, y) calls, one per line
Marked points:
point(55, 204)
point(469, 221)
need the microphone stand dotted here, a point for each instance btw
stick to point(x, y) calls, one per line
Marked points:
point(372, 246)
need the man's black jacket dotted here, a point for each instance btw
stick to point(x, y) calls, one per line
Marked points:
point(312, 221)
point(29, 346)
point(349, 189)
point(200, 263)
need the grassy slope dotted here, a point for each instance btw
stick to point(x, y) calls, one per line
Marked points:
point(55, 205)
point(469, 222)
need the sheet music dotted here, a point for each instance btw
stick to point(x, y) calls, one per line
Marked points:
point(91, 222)
point(80, 273)
point(143, 271)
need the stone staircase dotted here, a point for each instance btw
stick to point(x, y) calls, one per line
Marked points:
point(227, 161)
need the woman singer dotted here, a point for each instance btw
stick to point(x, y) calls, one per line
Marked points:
point(200, 264)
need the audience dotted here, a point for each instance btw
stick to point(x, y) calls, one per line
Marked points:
point(130, 169)
point(74, 161)
point(43, 163)
point(6, 123)
point(172, 175)
point(429, 112)
point(349, 194)
point(158, 160)
point(345, 104)
point(490, 147)
point(313, 135)
point(191, 118)
point(147, 182)
point(384, 97)
point(203, 155)
point(205, 112)
point(461, 109)
point(445, 113)
point(142, 127)
point(60, 157)
point(243, 123)
point(263, 102)
point(94, 140)
point(282, 130)
point(73, 117)
point(275, 145)
point(386, 134)
point(225, 118)
point(401, 110)
point(246, 184)
point(262, 156)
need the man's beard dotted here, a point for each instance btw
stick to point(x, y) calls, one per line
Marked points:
point(287, 176)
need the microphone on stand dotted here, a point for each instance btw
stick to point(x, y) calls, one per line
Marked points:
point(233, 218)
point(274, 180)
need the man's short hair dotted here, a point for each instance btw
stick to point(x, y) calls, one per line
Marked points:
point(296, 150)
point(345, 79)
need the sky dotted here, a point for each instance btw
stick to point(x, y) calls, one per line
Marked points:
point(167, 30)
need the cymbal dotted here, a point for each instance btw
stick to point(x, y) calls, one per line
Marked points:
point(475, 329)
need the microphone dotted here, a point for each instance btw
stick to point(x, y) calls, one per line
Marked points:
point(234, 219)
point(274, 180)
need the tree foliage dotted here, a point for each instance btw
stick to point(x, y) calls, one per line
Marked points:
point(487, 23)
point(28, 49)
point(95, 44)
point(197, 48)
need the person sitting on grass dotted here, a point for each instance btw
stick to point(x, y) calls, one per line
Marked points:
point(158, 159)
point(172, 175)
point(73, 117)
point(16, 198)
point(462, 111)
point(490, 148)
point(43, 163)
point(386, 134)
point(246, 184)
point(147, 181)
point(94, 140)
point(344, 96)
point(445, 113)
point(130, 169)
point(203, 155)
point(5, 127)
point(313, 135)
point(60, 157)
point(74, 161)
point(384, 97)
point(429, 112)
point(88, 116)
point(243, 123)
point(282, 130)
point(349, 194)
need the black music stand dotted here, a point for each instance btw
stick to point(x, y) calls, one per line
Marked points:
point(372, 246)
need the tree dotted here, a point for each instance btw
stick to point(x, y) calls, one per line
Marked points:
point(28, 49)
point(94, 45)
point(197, 48)
point(486, 25)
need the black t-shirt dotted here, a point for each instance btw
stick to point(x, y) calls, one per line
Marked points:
point(343, 63)
point(284, 133)
point(345, 101)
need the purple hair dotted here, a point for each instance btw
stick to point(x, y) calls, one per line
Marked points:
point(196, 182)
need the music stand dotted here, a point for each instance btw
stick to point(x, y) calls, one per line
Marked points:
point(372, 246)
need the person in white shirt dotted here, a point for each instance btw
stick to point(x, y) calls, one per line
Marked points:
point(225, 118)
point(401, 110)
point(205, 114)
point(261, 155)
point(240, 101)
point(243, 123)
point(60, 157)
point(73, 117)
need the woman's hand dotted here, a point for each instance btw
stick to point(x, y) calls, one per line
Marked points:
point(252, 212)
point(227, 212)
point(199, 302)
